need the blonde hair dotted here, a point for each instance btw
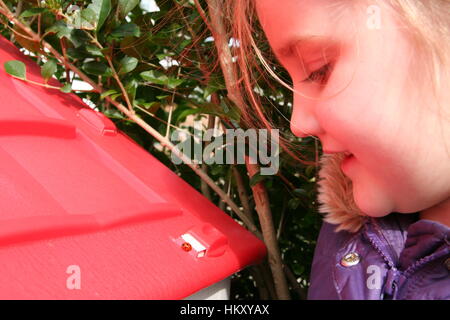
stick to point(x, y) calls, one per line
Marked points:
point(426, 24)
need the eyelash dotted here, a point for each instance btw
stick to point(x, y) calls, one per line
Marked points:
point(320, 75)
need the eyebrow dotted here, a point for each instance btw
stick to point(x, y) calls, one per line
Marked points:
point(313, 40)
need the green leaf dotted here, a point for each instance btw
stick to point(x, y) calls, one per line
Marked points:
point(160, 78)
point(16, 69)
point(208, 91)
point(96, 68)
point(294, 203)
point(107, 93)
point(61, 29)
point(186, 113)
point(217, 170)
point(125, 6)
point(207, 108)
point(298, 269)
point(162, 56)
point(126, 30)
point(131, 88)
point(88, 19)
point(115, 96)
point(128, 64)
point(102, 9)
point(310, 171)
point(182, 45)
point(32, 12)
point(146, 105)
point(66, 88)
point(48, 69)
point(54, 4)
point(230, 110)
point(79, 37)
point(76, 53)
point(172, 83)
point(256, 178)
point(94, 51)
point(215, 84)
point(154, 77)
point(301, 192)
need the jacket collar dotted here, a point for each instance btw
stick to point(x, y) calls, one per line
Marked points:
point(426, 238)
point(335, 195)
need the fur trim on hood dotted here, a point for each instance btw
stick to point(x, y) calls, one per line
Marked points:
point(335, 195)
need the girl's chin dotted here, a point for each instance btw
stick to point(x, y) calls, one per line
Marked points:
point(370, 202)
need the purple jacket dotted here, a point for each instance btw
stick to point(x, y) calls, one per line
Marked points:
point(394, 257)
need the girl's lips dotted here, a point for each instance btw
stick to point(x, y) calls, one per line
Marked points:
point(347, 162)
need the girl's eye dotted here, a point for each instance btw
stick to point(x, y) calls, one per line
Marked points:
point(321, 75)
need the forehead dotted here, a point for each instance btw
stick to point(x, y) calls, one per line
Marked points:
point(284, 21)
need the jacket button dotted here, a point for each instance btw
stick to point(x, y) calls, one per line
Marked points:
point(350, 259)
point(447, 264)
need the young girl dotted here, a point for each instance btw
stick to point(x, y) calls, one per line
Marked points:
point(371, 80)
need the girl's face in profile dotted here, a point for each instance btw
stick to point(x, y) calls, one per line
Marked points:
point(352, 70)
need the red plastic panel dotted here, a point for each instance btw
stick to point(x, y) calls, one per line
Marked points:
point(98, 121)
point(37, 127)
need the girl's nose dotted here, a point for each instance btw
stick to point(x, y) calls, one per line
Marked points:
point(303, 120)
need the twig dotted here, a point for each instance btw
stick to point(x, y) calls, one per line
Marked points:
point(295, 285)
point(281, 223)
point(242, 193)
point(204, 187)
point(286, 181)
point(45, 85)
point(226, 188)
point(115, 75)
